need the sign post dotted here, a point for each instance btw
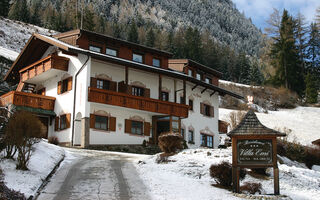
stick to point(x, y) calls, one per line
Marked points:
point(254, 146)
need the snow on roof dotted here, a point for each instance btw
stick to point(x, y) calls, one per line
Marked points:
point(8, 54)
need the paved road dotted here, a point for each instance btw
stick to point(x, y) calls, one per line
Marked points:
point(90, 175)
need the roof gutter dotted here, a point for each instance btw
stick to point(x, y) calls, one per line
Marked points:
point(74, 97)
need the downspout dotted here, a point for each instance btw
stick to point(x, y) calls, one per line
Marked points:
point(74, 97)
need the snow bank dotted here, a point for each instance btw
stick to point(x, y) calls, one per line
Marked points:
point(44, 158)
point(237, 84)
point(187, 177)
point(303, 122)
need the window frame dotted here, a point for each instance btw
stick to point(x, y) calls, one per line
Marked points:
point(103, 84)
point(190, 72)
point(63, 122)
point(200, 77)
point(158, 60)
point(205, 140)
point(191, 133)
point(134, 129)
point(209, 80)
point(112, 49)
point(182, 132)
point(166, 96)
point(191, 104)
point(135, 91)
point(95, 122)
point(64, 85)
point(207, 109)
point(138, 54)
point(95, 46)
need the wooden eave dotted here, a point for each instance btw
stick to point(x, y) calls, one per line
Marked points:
point(31, 52)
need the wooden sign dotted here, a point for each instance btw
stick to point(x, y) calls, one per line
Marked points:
point(254, 151)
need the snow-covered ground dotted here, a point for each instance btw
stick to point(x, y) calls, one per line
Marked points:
point(44, 158)
point(304, 122)
point(187, 177)
point(15, 34)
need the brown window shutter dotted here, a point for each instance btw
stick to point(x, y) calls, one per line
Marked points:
point(69, 83)
point(59, 87)
point(92, 120)
point(129, 89)
point(147, 92)
point(146, 127)
point(113, 86)
point(201, 108)
point(211, 111)
point(127, 126)
point(68, 120)
point(56, 124)
point(93, 82)
point(112, 123)
point(121, 87)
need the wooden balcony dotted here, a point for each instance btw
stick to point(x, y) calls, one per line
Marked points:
point(44, 69)
point(136, 102)
point(28, 100)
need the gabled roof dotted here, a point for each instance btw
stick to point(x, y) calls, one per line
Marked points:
point(31, 53)
point(250, 125)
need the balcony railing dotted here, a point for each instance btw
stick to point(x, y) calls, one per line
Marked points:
point(28, 100)
point(137, 102)
point(43, 65)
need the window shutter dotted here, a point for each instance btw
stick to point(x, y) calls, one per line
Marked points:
point(59, 87)
point(185, 70)
point(146, 126)
point(201, 108)
point(92, 120)
point(211, 111)
point(56, 124)
point(113, 86)
point(147, 92)
point(127, 126)
point(69, 83)
point(68, 120)
point(112, 123)
point(93, 82)
point(129, 89)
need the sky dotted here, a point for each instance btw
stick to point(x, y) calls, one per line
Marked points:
point(260, 10)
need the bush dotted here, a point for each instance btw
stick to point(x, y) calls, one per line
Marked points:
point(222, 174)
point(170, 142)
point(53, 140)
point(312, 157)
point(26, 129)
point(251, 188)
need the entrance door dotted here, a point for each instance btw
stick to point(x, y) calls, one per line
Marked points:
point(165, 124)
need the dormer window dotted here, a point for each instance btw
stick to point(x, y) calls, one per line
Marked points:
point(189, 72)
point(137, 58)
point(111, 52)
point(198, 76)
point(156, 62)
point(208, 80)
point(95, 48)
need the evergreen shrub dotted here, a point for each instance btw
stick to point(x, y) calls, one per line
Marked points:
point(222, 174)
point(170, 142)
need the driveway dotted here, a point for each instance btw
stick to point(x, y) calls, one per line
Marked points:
point(87, 174)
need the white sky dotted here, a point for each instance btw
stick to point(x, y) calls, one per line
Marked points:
point(260, 10)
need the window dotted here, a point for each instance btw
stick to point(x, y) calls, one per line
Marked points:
point(136, 127)
point(190, 104)
point(101, 122)
point(137, 58)
point(206, 140)
point(208, 80)
point(164, 96)
point(156, 62)
point(95, 48)
point(190, 137)
point(207, 109)
point(137, 91)
point(189, 72)
point(64, 86)
point(198, 76)
point(111, 52)
point(182, 100)
point(63, 122)
point(103, 84)
point(182, 133)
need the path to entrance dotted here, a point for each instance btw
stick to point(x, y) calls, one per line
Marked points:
point(86, 174)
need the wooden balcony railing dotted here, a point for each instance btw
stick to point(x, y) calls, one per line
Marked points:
point(50, 62)
point(28, 100)
point(136, 102)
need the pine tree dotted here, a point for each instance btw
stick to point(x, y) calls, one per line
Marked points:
point(88, 18)
point(311, 89)
point(313, 51)
point(35, 17)
point(150, 38)
point(300, 35)
point(242, 70)
point(256, 76)
point(19, 10)
point(193, 44)
point(133, 33)
point(4, 7)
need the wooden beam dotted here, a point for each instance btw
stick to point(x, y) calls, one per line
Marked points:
point(212, 93)
point(194, 87)
point(127, 75)
point(184, 92)
point(204, 90)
